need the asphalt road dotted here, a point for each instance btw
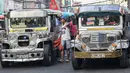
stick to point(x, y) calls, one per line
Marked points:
point(93, 67)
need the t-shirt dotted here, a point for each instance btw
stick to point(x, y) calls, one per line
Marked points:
point(73, 29)
point(65, 32)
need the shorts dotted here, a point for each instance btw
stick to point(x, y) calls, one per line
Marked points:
point(66, 44)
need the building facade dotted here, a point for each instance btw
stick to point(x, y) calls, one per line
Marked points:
point(1, 6)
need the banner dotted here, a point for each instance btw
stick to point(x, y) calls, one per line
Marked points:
point(54, 5)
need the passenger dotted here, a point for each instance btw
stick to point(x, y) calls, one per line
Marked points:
point(73, 29)
point(65, 39)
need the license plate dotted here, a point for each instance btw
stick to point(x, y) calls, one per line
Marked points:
point(97, 55)
point(22, 56)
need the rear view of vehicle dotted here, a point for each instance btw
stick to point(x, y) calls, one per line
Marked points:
point(101, 35)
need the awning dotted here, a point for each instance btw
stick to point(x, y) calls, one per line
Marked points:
point(2, 17)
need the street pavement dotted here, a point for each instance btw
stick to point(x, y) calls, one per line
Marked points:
point(93, 67)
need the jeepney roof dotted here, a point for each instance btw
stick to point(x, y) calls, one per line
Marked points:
point(28, 13)
point(104, 8)
point(55, 12)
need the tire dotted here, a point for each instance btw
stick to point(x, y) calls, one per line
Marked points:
point(47, 60)
point(76, 63)
point(124, 60)
point(5, 64)
point(54, 56)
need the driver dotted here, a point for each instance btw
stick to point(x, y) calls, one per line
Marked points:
point(109, 21)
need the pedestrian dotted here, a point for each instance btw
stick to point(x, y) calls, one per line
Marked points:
point(73, 29)
point(65, 39)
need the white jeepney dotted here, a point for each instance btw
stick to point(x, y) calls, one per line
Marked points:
point(102, 35)
point(29, 36)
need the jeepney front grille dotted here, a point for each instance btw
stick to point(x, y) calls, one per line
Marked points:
point(98, 45)
point(23, 41)
point(97, 41)
point(98, 37)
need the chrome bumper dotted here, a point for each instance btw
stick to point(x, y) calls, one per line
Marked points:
point(96, 54)
point(22, 60)
point(22, 54)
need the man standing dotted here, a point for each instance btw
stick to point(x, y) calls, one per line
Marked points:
point(65, 38)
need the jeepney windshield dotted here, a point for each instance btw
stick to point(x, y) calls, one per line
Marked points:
point(28, 22)
point(100, 19)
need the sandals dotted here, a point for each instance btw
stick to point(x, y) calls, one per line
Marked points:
point(61, 60)
point(67, 60)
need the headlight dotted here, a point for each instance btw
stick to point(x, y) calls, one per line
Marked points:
point(112, 47)
point(111, 38)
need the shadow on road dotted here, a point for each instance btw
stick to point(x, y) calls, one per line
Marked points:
point(101, 64)
point(28, 65)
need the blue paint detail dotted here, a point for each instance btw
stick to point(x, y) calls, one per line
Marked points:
point(97, 8)
point(101, 37)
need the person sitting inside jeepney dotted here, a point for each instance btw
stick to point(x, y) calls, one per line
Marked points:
point(109, 20)
point(30, 23)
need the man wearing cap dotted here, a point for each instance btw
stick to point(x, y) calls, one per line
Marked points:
point(65, 38)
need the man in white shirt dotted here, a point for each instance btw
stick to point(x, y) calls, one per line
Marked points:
point(65, 38)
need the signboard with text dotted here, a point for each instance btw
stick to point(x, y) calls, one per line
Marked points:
point(31, 4)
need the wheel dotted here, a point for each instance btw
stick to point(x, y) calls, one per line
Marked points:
point(47, 60)
point(5, 64)
point(76, 63)
point(124, 60)
point(54, 56)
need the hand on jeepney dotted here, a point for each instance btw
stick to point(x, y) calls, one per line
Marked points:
point(78, 37)
point(83, 45)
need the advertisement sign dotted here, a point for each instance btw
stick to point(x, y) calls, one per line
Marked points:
point(32, 4)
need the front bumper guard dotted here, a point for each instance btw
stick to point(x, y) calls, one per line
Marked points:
point(22, 60)
point(22, 55)
point(93, 55)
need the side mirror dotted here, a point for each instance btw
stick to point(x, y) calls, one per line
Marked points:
point(127, 18)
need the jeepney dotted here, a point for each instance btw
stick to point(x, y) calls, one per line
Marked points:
point(103, 34)
point(29, 37)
